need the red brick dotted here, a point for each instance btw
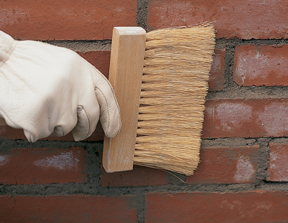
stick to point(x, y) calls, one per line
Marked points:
point(244, 19)
point(43, 165)
point(278, 166)
point(246, 118)
point(216, 79)
point(261, 65)
point(7, 132)
point(139, 176)
point(100, 59)
point(256, 206)
point(226, 165)
point(76, 208)
point(66, 20)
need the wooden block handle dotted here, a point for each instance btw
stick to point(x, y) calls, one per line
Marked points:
point(125, 75)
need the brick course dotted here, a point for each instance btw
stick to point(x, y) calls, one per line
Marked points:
point(232, 19)
point(278, 166)
point(245, 118)
point(256, 206)
point(75, 208)
point(139, 176)
point(263, 65)
point(43, 165)
point(66, 20)
point(226, 165)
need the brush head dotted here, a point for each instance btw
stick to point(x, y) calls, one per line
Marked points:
point(174, 86)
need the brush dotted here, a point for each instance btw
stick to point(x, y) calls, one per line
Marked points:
point(170, 98)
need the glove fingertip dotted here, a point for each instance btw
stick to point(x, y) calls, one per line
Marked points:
point(110, 117)
point(114, 128)
point(30, 137)
point(82, 129)
point(77, 138)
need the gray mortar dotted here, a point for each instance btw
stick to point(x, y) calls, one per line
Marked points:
point(262, 163)
point(142, 13)
point(227, 142)
point(140, 206)
point(279, 140)
point(83, 46)
point(93, 186)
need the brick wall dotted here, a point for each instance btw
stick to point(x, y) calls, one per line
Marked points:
point(243, 172)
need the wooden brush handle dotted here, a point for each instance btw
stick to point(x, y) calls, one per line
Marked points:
point(125, 75)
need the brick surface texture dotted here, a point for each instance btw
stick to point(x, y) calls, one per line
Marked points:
point(77, 208)
point(261, 65)
point(278, 166)
point(216, 79)
point(43, 165)
point(226, 165)
point(246, 118)
point(66, 20)
point(257, 206)
point(243, 172)
point(242, 19)
point(139, 176)
point(100, 59)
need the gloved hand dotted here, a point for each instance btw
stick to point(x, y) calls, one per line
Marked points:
point(46, 90)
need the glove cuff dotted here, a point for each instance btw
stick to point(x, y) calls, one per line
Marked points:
point(7, 45)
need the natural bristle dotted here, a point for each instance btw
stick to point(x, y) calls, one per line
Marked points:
point(174, 86)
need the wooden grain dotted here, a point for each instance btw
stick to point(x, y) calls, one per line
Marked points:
point(125, 75)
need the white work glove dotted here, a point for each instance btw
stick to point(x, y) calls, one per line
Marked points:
point(46, 90)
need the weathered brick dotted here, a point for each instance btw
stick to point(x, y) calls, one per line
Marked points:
point(7, 132)
point(226, 165)
point(246, 118)
point(100, 59)
point(261, 65)
point(43, 165)
point(242, 19)
point(223, 118)
point(278, 166)
point(139, 176)
point(256, 206)
point(76, 208)
point(216, 78)
point(66, 20)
